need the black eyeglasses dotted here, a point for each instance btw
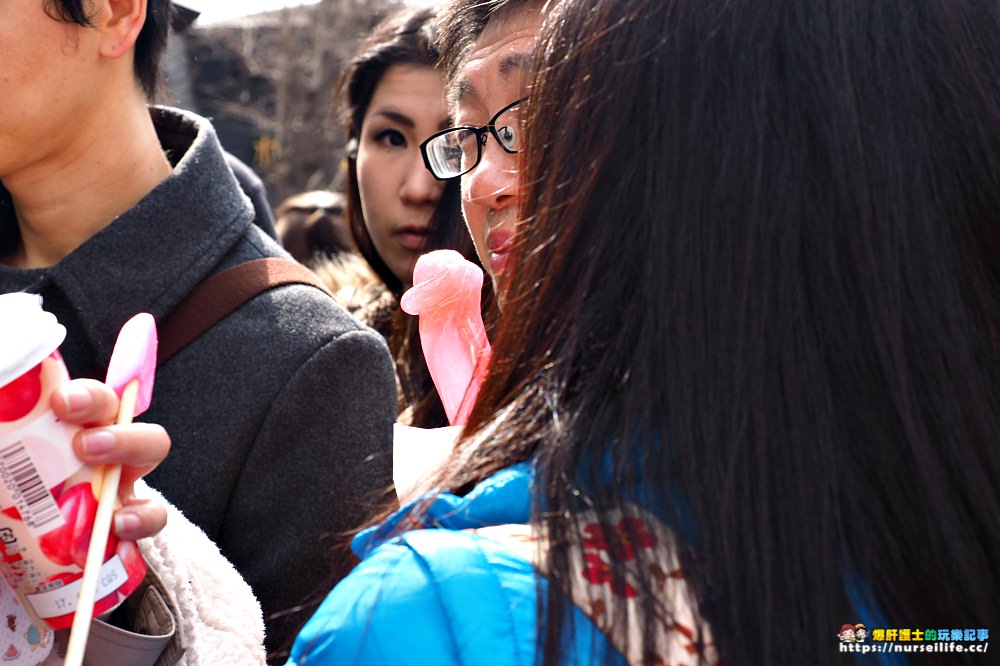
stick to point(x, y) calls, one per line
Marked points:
point(457, 150)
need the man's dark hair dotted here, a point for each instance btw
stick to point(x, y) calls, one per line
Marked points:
point(459, 24)
point(149, 46)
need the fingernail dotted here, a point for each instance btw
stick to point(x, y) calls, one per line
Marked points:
point(75, 399)
point(127, 523)
point(96, 442)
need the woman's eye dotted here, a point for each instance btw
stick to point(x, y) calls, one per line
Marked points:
point(391, 137)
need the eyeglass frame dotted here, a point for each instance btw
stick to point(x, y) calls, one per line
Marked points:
point(480, 133)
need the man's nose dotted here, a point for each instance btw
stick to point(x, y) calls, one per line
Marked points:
point(494, 182)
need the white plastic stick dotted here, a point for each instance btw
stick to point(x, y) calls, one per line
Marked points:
point(98, 540)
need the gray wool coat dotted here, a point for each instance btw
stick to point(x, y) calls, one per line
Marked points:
point(280, 416)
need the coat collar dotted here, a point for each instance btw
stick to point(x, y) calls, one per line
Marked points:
point(500, 499)
point(171, 239)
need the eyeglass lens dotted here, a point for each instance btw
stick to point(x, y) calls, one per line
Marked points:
point(457, 151)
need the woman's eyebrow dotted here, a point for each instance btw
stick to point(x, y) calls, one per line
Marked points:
point(396, 116)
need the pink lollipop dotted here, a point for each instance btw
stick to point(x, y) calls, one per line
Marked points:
point(130, 374)
point(134, 359)
point(445, 293)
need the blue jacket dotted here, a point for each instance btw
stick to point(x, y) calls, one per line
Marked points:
point(442, 596)
point(448, 596)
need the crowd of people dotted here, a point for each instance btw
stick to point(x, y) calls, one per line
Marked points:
point(742, 305)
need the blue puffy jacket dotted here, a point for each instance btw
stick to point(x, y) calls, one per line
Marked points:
point(443, 596)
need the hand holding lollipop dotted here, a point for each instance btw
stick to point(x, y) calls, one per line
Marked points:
point(130, 374)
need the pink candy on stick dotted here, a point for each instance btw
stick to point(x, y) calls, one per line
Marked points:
point(134, 359)
point(130, 374)
point(446, 294)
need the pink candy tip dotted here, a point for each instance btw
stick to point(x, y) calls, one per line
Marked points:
point(446, 294)
point(439, 278)
point(134, 357)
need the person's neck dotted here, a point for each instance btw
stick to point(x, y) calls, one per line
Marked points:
point(61, 201)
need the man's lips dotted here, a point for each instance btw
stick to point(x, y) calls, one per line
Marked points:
point(499, 242)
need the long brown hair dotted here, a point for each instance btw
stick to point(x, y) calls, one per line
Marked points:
point(756, 291)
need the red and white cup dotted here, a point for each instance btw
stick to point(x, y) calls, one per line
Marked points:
point(47, 500)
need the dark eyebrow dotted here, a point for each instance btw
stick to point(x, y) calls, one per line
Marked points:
point(395, 116)
point(461, 91)
point(515, 61)
point(511, 63)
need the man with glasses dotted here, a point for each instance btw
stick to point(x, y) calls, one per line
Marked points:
point(456, 151)
point(487, 47)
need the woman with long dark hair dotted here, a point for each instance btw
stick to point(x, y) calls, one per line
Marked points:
point(745, 386)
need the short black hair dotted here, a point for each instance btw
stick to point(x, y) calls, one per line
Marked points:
point(459, 24)
point(149, 46)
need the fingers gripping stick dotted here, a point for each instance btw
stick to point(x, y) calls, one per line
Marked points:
point(130, 374)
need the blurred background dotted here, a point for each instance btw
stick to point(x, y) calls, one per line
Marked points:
point(264, 72)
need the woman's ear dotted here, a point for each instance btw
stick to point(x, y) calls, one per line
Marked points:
point(120, 22)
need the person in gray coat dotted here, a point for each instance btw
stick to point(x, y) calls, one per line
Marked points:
point(281, 414)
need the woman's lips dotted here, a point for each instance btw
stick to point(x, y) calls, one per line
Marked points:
point(412, 238)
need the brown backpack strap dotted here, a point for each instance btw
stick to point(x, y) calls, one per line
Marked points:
point(217, 296)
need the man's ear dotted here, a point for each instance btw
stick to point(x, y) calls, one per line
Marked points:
point(120, 22)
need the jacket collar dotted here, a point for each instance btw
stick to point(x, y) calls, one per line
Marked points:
point(172, 238)
point(501, 499)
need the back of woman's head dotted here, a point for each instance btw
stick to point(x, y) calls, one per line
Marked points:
point(757, 275)
point(404, 38)
point(311, 226)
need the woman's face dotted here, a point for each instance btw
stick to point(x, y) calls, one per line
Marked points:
point(398, 194)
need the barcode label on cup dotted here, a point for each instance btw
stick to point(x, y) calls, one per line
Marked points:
point(32, 498)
